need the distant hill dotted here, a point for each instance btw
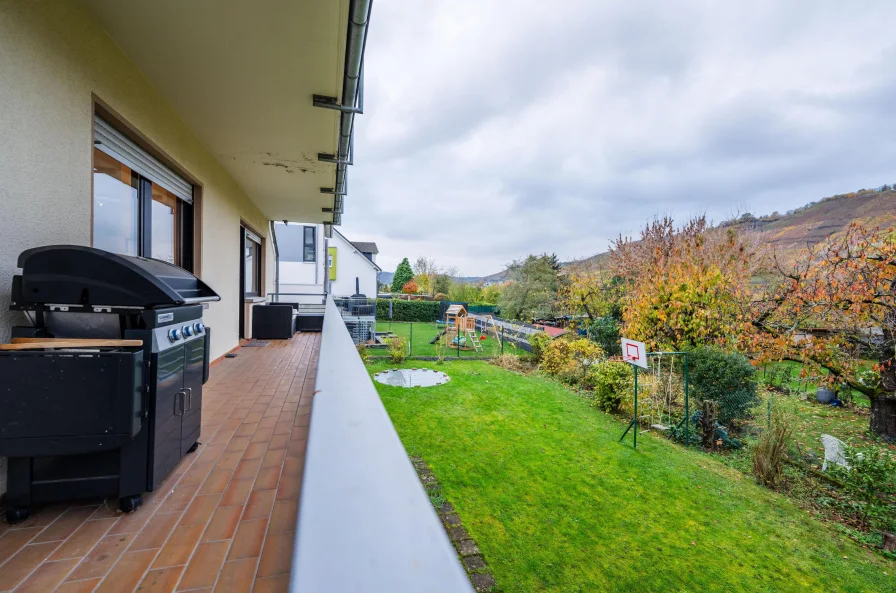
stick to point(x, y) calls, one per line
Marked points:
point(793, 231)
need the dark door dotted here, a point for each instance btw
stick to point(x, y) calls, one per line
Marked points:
point(168, 413)
point(194, 356)
point(241, 302)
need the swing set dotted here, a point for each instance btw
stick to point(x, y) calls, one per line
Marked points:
point(659, 400)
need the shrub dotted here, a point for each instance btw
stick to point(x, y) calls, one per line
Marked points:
point(570, 359)
point(556, 357)
point(511, 362)
point(440, 296)
point(427, 311)
point(410, 287)
point(726, 378)
point(585, 353)
point(398, 349)
point(539, 342)
point(611, 381)
point(605, 331)
point(870, 487)
point(768, 454)
point(363, 353)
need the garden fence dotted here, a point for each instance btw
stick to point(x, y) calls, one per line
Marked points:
point(428, 340)
point(663, 403)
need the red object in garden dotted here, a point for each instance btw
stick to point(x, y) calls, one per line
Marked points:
point(482, 337)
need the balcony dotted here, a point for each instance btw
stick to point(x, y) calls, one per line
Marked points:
point(255, 509)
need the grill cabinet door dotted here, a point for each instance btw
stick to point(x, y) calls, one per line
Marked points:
point(168, 413)
point(194, 355)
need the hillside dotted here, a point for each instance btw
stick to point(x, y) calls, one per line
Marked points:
point(786, 233)
point(790, 233)
point(793, 231)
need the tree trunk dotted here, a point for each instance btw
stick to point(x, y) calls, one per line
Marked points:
point(889, 541)
point(708, 425)
point(883, 416)
point(883, 407)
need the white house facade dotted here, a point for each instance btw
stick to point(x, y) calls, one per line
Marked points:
point(311, 264)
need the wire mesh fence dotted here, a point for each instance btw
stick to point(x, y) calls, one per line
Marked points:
point(438, 340)
point(666, 404)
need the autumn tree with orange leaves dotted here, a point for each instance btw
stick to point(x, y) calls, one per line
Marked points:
point(687, 286)
point(696, 285)
point(834, 306)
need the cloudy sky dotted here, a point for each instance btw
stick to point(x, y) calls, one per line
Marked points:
point(493, 129)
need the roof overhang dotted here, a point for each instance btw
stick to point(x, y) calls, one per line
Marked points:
point(358, 251)
point(242, 76)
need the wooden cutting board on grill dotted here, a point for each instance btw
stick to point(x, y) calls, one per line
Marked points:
point(40, 343)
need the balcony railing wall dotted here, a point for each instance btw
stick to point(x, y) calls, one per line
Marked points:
point(365, 523)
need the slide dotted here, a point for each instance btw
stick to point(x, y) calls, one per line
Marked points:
point(438, 335)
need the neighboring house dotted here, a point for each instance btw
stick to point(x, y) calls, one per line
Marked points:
point(304, 269)
point(302, 251)
point(350, 262)
point(367, 249)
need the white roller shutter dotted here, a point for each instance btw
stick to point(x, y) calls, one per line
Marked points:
point(252, 236)
point(110, 141)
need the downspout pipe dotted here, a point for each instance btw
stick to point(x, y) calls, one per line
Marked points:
point(352, 93)
point(276, 260)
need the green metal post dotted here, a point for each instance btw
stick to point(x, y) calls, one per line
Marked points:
point(502, 339)
point(411, 345)
point(768, 407)
point(636, 408)
point(687, 412)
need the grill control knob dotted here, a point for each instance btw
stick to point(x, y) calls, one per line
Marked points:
point(188, 331)
point(174, 334)
point(199, 327)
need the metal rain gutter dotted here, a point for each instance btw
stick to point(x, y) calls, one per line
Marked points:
point(352, 102)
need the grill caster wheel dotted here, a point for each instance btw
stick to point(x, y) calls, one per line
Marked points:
point(193, 448)
point(17, 514)
point(129, 504)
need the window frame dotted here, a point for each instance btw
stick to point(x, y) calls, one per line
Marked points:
point(305, 244)
point(187, 229)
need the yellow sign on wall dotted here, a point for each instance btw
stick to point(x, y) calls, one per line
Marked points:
point(331, 262)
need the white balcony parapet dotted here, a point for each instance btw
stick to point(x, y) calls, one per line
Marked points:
point(365, 522)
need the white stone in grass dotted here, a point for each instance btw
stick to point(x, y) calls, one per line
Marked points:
point(833, 452)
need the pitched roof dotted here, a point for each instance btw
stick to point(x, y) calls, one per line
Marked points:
point(554, 332)
point(365, 246)
point(355, 245)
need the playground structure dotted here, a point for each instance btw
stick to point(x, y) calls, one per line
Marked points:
point(460, 329)
point(466, 332)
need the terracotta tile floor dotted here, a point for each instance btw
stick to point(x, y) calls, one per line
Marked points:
point(225, 518)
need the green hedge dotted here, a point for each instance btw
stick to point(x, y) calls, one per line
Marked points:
point(426, 311)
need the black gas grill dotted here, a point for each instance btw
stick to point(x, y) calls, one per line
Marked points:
point(101, 421)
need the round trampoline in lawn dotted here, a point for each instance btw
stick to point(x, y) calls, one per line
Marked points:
point(411, 377)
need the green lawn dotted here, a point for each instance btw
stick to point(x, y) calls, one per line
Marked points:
point(556, 504)
point(423, 333)
point(811, 419)
point(786, 374)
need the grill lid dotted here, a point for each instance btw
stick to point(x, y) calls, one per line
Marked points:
point(77, 275)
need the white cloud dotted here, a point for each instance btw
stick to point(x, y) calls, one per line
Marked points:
point(495, 129)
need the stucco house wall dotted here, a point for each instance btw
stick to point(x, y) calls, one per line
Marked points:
point(55, 59)
point(297, 275)
point(351, 264)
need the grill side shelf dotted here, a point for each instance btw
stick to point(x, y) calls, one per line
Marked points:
point(39, 343)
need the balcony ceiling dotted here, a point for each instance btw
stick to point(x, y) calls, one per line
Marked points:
point(241, 75)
